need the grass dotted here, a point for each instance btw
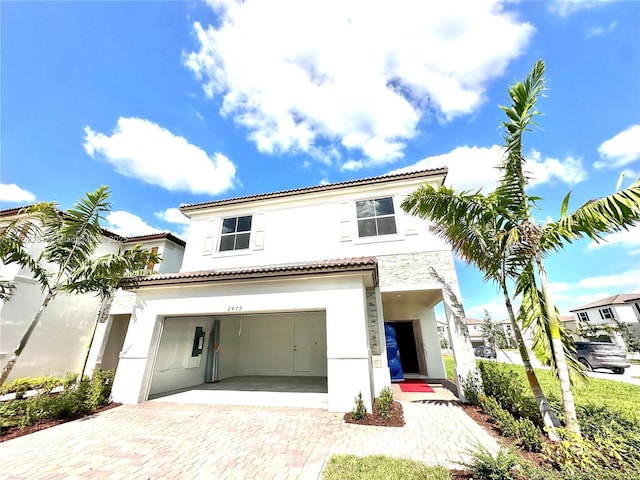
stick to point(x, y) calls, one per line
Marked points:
point(380, 467)
point(619, 395)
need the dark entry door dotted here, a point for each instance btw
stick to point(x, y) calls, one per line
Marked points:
point(406, 346)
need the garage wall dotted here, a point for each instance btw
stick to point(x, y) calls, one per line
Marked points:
point(175, 367)
point(264, 344)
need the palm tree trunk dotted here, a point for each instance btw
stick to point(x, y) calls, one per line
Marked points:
point(103, 311)
point(549, 418)
point(568, 404)
point(25, 338)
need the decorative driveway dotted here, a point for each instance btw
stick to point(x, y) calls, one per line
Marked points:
point(160, 440)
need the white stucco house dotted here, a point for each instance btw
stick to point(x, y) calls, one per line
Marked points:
point(59, 343)
point(597, 319)
point(296, 283)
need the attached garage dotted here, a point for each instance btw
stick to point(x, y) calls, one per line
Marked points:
point(203, 349)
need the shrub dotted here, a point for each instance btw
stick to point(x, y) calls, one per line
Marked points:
point(509, 390)
point(384, 403)
point(472, 387)
point(360, 411)
point(529, 435)
point(486, 466)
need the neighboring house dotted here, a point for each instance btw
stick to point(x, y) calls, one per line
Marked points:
point(296, 283)
point(597, 320)
point(476, 335)
point(59, 343)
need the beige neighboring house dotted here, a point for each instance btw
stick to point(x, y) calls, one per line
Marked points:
point(475, 331)
point(59, 343)
point(598, 319)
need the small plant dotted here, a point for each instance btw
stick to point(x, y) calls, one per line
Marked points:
point(529, 435)
point(384, 403)
point(360, 411)
point(472, 387)
point(486, 466)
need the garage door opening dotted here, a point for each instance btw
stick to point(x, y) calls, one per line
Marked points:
point(261, 359)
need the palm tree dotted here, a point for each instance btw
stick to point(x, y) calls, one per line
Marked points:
point(12, 249)
point(501, 224)
point(71, 240)
point(465, 220)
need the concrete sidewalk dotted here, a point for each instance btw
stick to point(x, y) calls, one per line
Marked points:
point(157, 440)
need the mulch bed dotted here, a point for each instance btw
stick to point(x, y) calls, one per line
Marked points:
point(9, 433)
point(396, 419)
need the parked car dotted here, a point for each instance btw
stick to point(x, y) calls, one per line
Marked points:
point(601, 355)
point(485, 351)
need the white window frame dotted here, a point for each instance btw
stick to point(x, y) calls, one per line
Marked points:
point(607, 314)
point(377, 236)
point(235, 233)
point(583, 317)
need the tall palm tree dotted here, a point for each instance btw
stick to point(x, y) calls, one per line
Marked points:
point(465, 220)
point(71, 240)
point(503, 221)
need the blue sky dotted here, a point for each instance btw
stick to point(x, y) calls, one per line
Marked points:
point(181, 102)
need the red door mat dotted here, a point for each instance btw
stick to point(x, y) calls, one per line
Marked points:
point(415, 385)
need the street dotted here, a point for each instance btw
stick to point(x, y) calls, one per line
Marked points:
point(631, 374)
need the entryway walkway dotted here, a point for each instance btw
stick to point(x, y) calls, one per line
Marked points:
point(158, 440)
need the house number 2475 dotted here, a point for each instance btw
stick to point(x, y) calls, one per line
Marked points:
point(234, 308)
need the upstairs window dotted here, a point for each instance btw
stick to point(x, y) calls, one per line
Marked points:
point(376, 217)
point(235, 234)
point(606, 313)
point(583, 317)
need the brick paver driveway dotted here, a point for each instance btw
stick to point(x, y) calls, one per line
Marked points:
point(158, 440)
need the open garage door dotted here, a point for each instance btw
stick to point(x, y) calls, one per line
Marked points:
point(279, 352)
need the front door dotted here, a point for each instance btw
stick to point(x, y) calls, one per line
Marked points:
point(301, 346)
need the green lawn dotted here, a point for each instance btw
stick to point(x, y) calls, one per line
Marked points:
point(623, 396)
point(379, 467)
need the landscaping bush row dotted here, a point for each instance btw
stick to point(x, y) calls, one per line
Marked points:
point(610, 447)
point(76, 398)
point(44, 384)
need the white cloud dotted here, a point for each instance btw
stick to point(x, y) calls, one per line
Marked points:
point(127, 224)
point(10, 192)
point(565, 8)
point(597, 31)
point(471, 168)
point(351, 74)
point(625, 238)
point(141, 149)
point(620, 150)
point(620, 282)
point(173, 215)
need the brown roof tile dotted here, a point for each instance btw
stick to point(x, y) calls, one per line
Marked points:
point(317, 188)
point(267, 271)
point(619, 299)
point(157, 236)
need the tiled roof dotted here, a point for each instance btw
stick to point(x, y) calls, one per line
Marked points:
point(157, 236)
point(9, 212)
point(267, 271)
point(317, 188)
point(473, 321)
point(619, 299)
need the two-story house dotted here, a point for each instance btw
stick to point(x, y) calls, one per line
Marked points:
point(296, 283)
point(597, 320)
point(59, 343)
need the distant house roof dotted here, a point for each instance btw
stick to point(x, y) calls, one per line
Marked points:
point(361, 264)
point(473, 321)
point(619, 299)
point(157, 236)
point(317, 188)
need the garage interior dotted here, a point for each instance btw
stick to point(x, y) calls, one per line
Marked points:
point(260, 359)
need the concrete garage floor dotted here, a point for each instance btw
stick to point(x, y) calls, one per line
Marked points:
point(254, 390)
point(279, 391)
